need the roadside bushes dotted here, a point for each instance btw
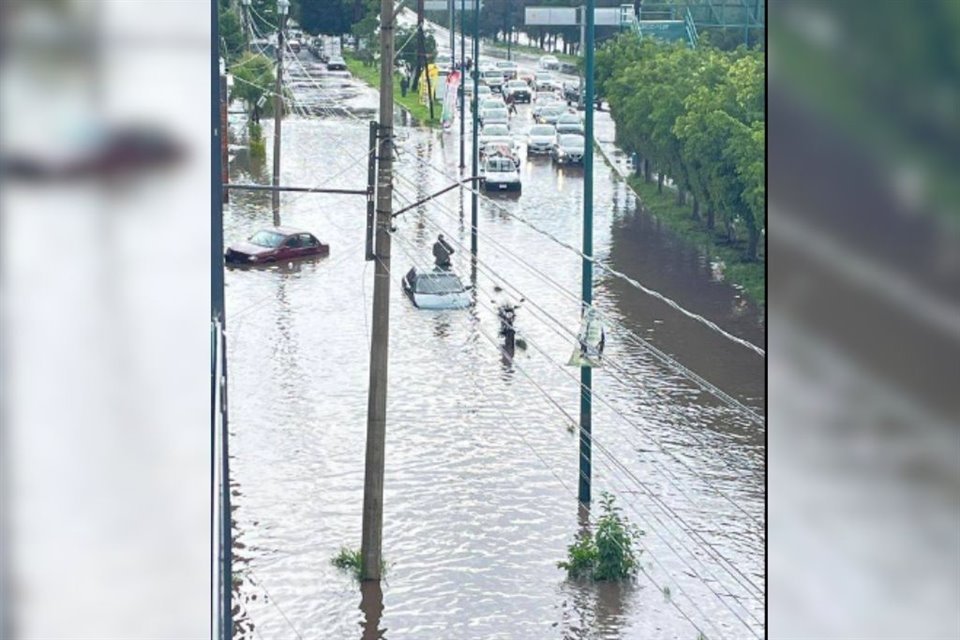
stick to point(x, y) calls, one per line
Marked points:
point(697, 116)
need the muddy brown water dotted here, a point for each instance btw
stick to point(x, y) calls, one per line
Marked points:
point(481, 471)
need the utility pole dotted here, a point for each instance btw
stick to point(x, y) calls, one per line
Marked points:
point(586, 373)
point(463, 85)
point(282, 6)
point(475, 152)
point(371, 547)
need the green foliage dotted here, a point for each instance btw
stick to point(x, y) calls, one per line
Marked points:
point(350, 560)
point(232, 40)
point(258, 145)
point(698, 116)
point(253, 79)
point(609, 554)
point(411, 102)
point(407, 36)
point(331, 17)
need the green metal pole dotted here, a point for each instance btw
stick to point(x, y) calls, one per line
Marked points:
point(474, 152)
point(463, 85)
point(586, 373)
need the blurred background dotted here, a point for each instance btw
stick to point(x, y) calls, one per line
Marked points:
point(864, 319)
point(104, 296)
point(104, 145)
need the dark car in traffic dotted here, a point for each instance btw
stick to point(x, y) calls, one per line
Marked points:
point(276, 244)
point(568, 149)
point(336, 63)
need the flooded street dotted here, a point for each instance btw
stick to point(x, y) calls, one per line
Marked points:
point(482, 450)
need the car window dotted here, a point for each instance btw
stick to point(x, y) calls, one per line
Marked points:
point(293, 242)
point(571, 141)
point(307, 240)
point(269, 239)
point(500, 164)
point(496, 130)
point(541, 131)
point(439, 284)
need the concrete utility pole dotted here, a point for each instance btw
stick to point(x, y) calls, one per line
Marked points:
point(586, 373)
point(372, 541)
point(282, 7)
point(475, 152)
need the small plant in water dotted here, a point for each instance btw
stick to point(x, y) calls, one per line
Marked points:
point(608, 554)
point(349, 559)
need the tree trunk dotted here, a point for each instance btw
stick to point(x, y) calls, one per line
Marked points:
point(647, 177)
point(696, 209)
point(660, 182)
point(752, 245)
point(681, 197)
point(711, 219)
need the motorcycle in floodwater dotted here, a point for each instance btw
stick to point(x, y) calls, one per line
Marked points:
point(507, 314)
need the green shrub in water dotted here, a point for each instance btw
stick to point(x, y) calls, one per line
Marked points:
point(349, 559)
point(609, 553)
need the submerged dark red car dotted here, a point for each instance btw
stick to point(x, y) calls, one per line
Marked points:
point(277, 244)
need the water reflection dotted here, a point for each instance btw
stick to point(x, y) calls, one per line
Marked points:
point(371, 604)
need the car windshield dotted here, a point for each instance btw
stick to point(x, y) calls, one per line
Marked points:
point(546, 97)
point(439, 283)
point(496, 130)
point(500, 165)
point(542, 130)
point(517, 84)
point(570, 118)
point(494, 113)
point(269, 239)
point(554, 110)
point(571, 141)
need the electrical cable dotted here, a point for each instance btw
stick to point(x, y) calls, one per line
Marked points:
point(609, 454)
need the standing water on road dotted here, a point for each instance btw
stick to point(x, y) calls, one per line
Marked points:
point(482, 449)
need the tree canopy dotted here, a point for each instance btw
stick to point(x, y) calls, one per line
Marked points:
point(698, 116)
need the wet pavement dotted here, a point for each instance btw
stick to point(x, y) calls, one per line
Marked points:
point(481, 475)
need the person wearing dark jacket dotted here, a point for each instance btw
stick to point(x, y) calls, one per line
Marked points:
point(442, 252)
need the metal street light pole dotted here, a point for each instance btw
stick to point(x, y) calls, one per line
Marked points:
point(586, 373)
point(463, 85)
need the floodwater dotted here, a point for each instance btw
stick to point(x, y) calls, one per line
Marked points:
point(482, 449)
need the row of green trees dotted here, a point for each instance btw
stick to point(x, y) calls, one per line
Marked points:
point(697, 116)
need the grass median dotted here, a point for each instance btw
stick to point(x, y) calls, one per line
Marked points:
point(749, 275)
point(411, 102)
